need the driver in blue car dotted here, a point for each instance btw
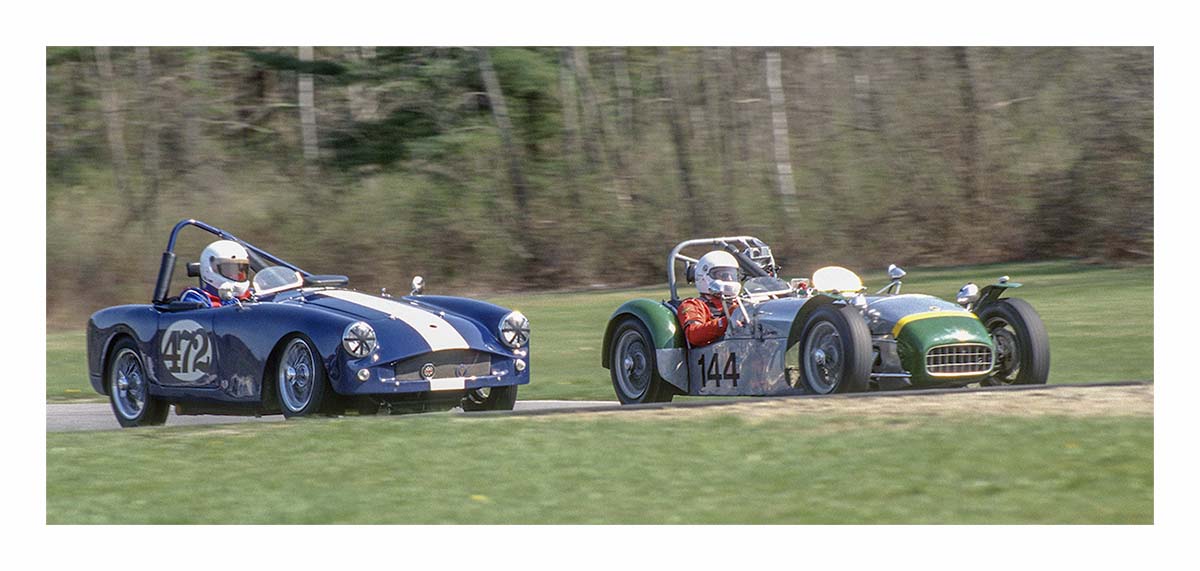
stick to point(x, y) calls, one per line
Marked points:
point(705, 318)
point(223, 263)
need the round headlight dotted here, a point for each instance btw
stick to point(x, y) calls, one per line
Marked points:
point(359, 339)
point(514, 330)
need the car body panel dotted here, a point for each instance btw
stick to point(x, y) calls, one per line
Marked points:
point(753, 359)
point(222, 355)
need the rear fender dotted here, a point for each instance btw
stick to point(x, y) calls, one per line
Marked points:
point(665, 333)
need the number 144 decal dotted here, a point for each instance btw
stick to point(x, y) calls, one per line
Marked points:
point(714, 372)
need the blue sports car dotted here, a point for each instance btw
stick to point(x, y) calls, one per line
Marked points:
point(302, 344)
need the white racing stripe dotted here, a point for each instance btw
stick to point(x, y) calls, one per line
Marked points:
point(437, 332)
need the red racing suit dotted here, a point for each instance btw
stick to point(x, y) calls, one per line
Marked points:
point(703, 319)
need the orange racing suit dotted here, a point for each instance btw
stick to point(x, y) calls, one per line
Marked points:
point(703, 319)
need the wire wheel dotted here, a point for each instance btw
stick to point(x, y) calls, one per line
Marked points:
point(824, 358)
point(1008, 351)
point(632, 365)
point(129, 386)
point(297, 376)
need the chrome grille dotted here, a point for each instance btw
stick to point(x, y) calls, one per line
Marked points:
point(960, 359)
point(451, 363)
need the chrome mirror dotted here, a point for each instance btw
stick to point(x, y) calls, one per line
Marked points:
point(968, 295)
point(418, 285)
point(895, 272)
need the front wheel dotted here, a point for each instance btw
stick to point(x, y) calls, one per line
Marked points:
point(835, 351)
point(129, 389)
point(300, 379)
point(633, 365)
point(490, 398)
point(1022, 346)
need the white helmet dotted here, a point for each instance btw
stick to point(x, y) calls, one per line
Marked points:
point(226, 262)
point(717, 274)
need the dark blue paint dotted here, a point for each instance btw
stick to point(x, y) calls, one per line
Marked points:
point(245, 337)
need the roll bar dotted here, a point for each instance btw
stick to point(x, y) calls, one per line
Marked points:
point(724, 243)
point(162, 286)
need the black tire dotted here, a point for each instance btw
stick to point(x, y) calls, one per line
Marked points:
point(493, 398)
point(1013, 324)
point(835, 351)
point(636, 381)
point(303, 391)
point(132, 403)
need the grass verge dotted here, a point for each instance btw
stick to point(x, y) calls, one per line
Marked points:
point(712, 468)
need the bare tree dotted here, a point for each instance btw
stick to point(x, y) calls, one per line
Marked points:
point(151, 99)
point(114, 121)
point(625, 107)
point(676, 117)
point(193, 113)
point(779, 131)
point(308, 115)
point(596, 121)
point(512, 150)
point(570, 104)
point(970, 150)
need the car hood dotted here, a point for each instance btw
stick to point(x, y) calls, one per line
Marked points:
point(405, 328)
point(885, 312)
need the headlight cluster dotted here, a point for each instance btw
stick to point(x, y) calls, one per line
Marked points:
point(359, 339)
point(514, 330)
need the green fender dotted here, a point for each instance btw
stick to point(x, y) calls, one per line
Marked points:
point(665, 333)
point(991, 294)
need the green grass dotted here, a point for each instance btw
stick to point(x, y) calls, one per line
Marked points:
point(1100, 322)
point(710, 468)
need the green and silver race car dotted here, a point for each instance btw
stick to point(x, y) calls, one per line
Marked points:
point(822, 335)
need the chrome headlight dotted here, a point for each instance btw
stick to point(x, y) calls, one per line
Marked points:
point(359, 339)
point(514, 330)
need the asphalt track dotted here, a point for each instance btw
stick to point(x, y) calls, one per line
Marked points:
point(99, 416)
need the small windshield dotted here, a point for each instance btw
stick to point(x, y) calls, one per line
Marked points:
point(276, 279)
point(765, 284)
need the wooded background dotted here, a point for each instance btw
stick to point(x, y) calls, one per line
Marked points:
point(542, 168)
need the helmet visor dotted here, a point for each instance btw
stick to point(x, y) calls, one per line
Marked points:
point(235, 270)
point(723, 274)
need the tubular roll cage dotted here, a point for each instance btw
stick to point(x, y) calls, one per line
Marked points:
point(162, 286)
point(724, 243)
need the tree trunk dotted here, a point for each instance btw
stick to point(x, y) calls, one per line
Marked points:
point(150, 134)
point(970, 151)
point(114, 121)
point(780, 139)
point(595, 120)
point(675, 115)
point(308, 116)
point(362, 101)
point(512, 150)
point(625, 108)
point(193, 131)
point(570, 105)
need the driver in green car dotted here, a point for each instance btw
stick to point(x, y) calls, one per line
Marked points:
point(705, 318)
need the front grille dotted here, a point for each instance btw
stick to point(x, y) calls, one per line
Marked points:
point(957, 360)
point(448, 364)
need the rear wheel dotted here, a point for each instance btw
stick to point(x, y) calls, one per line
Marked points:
point(835, 351)
point(129, 389)
point(490, 398)
point(300, 379)
point(633, 365)
point(1022, 346)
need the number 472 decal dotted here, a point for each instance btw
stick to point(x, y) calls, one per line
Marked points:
point(714, 372)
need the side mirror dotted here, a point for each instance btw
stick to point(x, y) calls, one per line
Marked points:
point(968, 295)
point(418, 285)
point(225, 292)
point(895, 273)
